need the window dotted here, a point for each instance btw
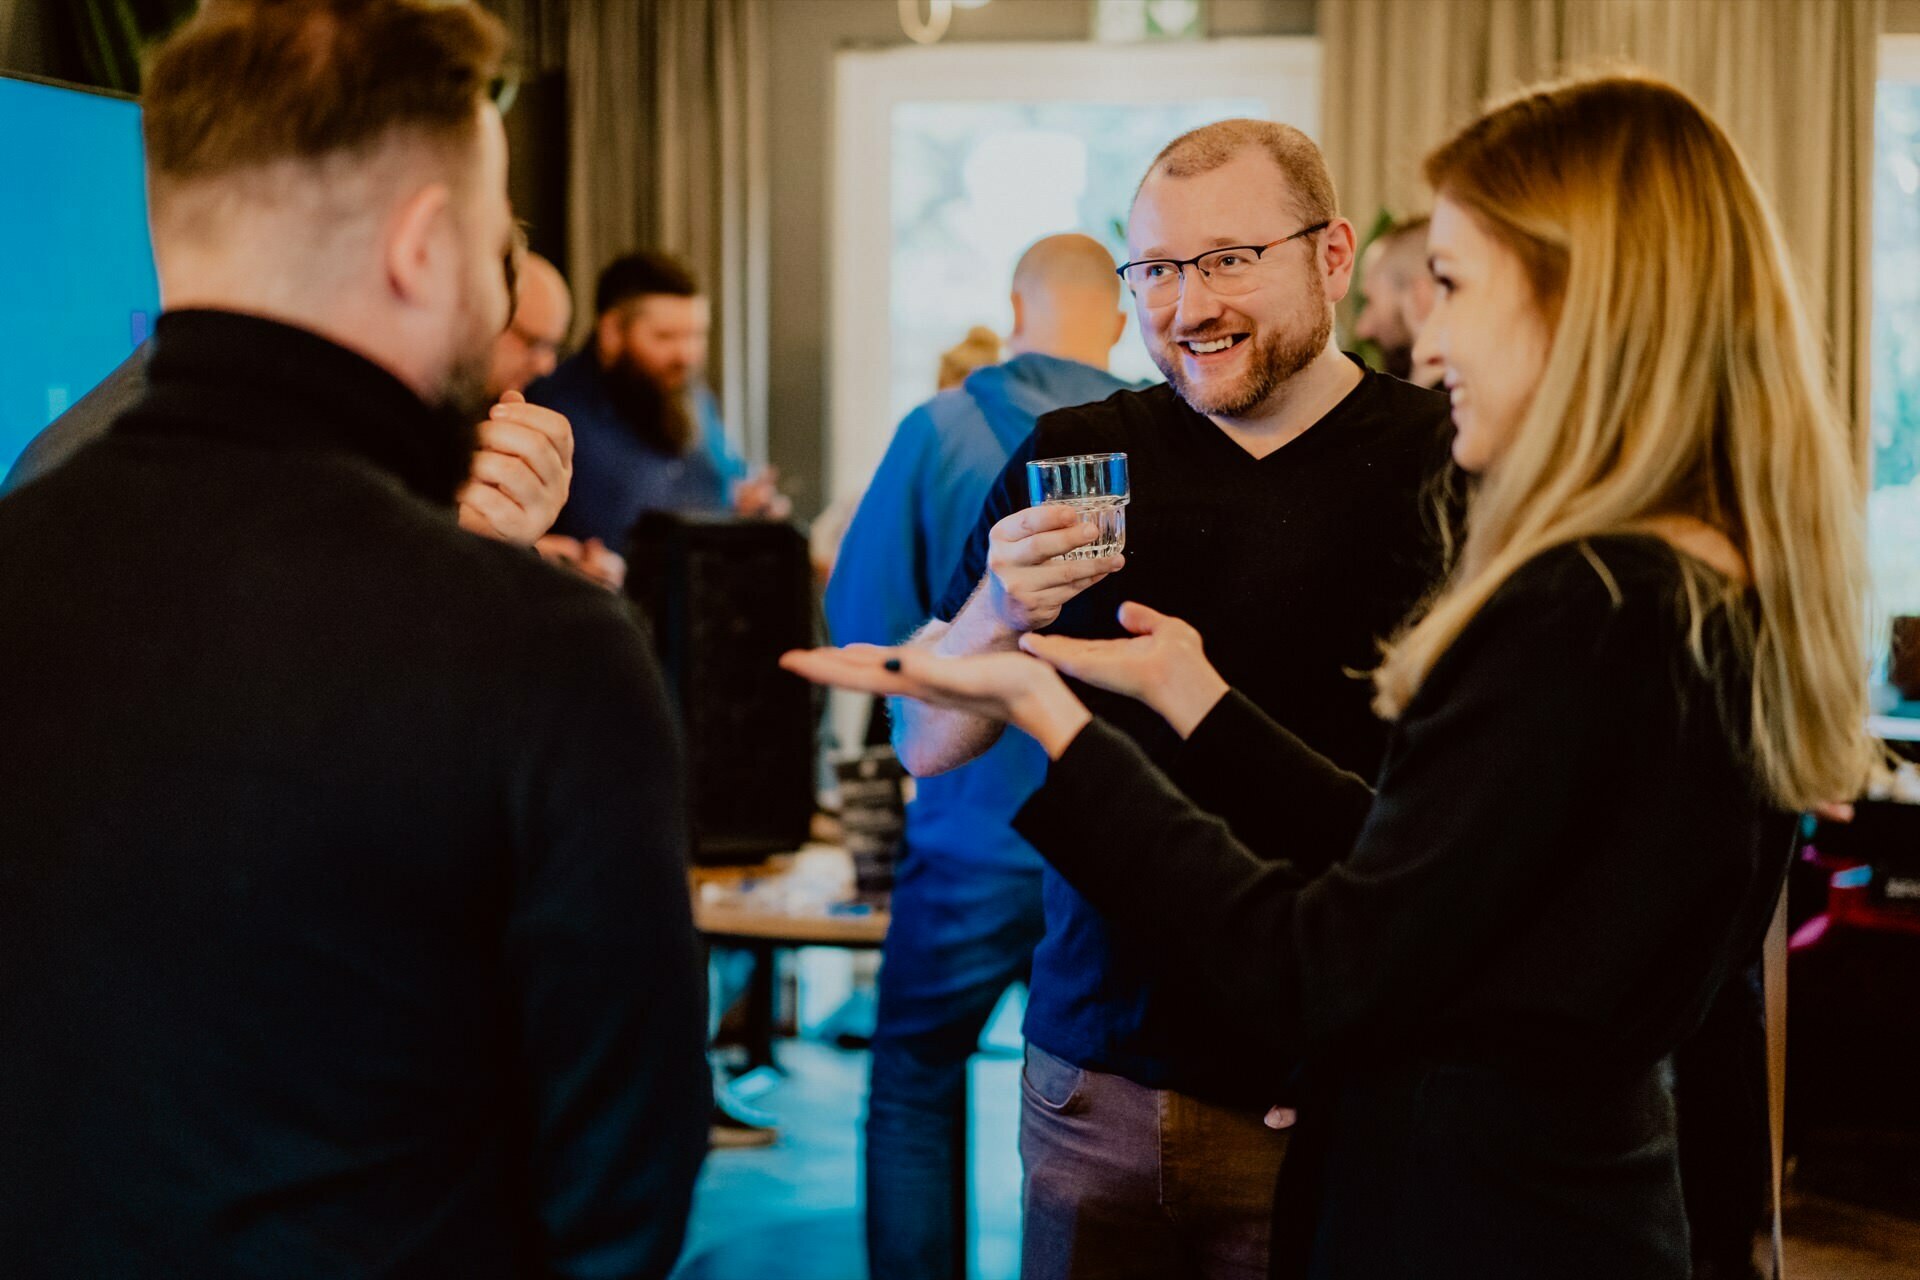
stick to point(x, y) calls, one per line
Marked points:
point(952, 159)
point(1893, 508)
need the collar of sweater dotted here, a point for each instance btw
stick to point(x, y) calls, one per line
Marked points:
point(226, 376)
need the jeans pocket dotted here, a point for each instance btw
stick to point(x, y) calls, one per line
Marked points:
point(1053, 1084)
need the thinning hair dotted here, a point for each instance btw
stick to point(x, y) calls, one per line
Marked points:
point(1298, 158)
point(1067, 261)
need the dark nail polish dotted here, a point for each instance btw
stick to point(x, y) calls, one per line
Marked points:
point(893, 664)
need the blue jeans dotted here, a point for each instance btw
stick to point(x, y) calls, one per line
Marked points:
point(960, 935)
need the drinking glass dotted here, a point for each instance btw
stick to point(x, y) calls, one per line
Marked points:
point(1095, 486)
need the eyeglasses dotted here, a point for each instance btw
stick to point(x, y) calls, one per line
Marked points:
point(533, 341)
point(1228, 271)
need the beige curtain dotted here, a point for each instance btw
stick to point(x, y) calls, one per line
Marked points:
point(1791, 80)
point(666, 123)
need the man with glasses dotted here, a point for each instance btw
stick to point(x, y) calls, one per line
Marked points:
point(529, 347)
point(1279, 504)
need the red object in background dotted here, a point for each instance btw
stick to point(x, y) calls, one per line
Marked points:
point(1853, 1044)
point(1860, 896)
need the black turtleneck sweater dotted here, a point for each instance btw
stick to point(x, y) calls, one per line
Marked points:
point(343, 915)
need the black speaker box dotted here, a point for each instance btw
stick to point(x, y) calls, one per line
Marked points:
point(725, 598)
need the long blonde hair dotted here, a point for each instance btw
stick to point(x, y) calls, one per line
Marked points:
point(1683, 380)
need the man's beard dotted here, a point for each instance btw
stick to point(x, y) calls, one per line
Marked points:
point(463, 400)
point(1271, 360)
point(662, 419)
point(465, 391)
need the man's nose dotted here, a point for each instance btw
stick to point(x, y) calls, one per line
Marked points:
point(1197, 299)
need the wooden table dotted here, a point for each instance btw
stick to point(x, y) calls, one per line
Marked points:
point(802, 899)
point(806, 899)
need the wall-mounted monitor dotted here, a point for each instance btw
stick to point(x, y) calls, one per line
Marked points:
point(77, 284)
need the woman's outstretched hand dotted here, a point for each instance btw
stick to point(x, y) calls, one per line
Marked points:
point(1163, 664)
point(1013, 687)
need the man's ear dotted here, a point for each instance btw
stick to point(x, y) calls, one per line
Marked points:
point(606, 334)
point(1337, 254)
point(1019, 317)
point(1119, 326)
point(417, 241)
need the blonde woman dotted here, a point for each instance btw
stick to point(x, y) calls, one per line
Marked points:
point(1647, 658)
point(980, 347)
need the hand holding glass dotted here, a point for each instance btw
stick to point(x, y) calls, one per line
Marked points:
point(1094, 486)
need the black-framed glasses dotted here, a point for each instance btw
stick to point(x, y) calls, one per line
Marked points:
point(1228, 271)
point(533, 341)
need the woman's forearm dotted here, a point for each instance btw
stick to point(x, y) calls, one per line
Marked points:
point(1187, 696)
point(1051, 715)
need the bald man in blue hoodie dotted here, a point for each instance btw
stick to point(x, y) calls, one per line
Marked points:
point(966, 907)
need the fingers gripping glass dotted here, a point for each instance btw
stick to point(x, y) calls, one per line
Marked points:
point(1227, 271)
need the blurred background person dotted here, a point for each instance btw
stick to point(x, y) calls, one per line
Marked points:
point(981, 346)
point(648, 430)
point(528, 349)
point(966, 903)
point(1397, 293)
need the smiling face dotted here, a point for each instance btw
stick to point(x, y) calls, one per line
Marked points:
point(1227, 355)
point(1486, 331)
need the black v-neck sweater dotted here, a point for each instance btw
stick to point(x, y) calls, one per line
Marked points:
point(1293, 566)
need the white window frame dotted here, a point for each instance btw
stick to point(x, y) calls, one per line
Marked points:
point(1282, 71)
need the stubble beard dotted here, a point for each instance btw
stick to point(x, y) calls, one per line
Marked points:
point(466, 391)
point(1273, 358)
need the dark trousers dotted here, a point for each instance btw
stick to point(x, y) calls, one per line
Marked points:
point(960, 936)
point(1124, 1182)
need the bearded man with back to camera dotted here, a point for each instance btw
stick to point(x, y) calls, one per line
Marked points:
point(345, 919)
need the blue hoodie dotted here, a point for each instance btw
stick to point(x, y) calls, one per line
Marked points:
point(902, 548)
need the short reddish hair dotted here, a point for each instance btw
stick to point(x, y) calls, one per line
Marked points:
point(1207, 148)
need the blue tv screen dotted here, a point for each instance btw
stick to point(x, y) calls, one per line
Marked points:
point(78, 292)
